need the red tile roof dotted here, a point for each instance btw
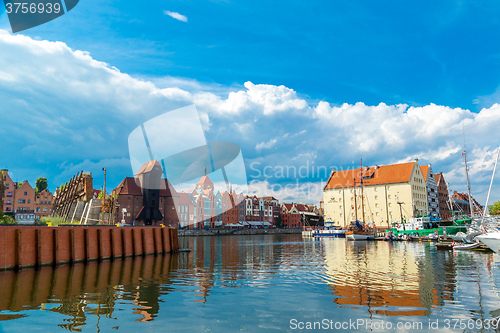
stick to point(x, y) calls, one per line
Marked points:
point(385, 174)
point(149, 166)
point(130, 187)
point(288, 207)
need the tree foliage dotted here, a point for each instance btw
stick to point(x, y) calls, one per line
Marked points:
point(41, 184)
point(495, 208)
point(6, 219)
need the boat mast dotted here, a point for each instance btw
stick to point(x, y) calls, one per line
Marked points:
point(468, 184)
point(355, 202)
point(362, 196)
point(450, 203)
point(491, 184)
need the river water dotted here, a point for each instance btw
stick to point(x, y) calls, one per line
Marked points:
point(262, 283)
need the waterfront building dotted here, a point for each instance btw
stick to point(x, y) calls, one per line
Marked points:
point(43, 204)
point(203, 207)
point(461, 202)
point(276, 209)
point(443, 197)
point(24, 197)
point(130, 198)
point(9, 192)
point(186, 210)
point(388, 194)
point(296, 215)
point(432, 191)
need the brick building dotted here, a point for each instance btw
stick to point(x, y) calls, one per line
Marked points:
point(8, 193)
point(24, 197)
point(443, 197)
point(43, 204)
point(130, 198)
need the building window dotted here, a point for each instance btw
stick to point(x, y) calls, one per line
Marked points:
point(21, 201)
point(25, 193)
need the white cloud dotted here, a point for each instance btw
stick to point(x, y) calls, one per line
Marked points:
point(62, 105)
point(176, 16)
point(266, 145)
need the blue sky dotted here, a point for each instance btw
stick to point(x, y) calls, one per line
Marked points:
point(294, 83)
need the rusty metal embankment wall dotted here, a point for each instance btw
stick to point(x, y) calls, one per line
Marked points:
point(22, 247)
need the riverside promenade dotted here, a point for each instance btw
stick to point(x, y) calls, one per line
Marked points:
point(33, 246)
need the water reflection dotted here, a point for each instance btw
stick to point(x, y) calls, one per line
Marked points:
point(259, 282)
point(88, 289)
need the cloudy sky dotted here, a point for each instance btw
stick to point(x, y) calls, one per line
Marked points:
point(301, 87)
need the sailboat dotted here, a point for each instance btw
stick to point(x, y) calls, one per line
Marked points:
point(491, 238)
point(359, 230)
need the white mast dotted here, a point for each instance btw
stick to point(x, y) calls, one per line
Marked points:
point(491, 184)
point(468, 184)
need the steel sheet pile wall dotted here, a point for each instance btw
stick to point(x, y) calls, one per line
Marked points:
point(22, 247)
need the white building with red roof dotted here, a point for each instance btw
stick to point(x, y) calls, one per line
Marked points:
point(388, 192)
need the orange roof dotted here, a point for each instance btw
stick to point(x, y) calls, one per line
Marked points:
point(437, 177)
point(425, 171)
point(385, 174)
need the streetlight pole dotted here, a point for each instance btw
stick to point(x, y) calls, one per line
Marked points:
point(103, 197)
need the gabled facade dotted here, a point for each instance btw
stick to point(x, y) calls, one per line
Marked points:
point(432, 191)
point(443, 197)
point(297, 215)
point(388, 193)
point(43, 204)
point(24, 198)
point(130, 198)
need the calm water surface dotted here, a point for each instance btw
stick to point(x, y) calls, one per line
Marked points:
point(262, 284)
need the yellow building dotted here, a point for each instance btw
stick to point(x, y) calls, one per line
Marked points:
point(379, 194)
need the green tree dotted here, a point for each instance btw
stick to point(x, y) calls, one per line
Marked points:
point(41, 184)
point(495, 208)
point(5, 219)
